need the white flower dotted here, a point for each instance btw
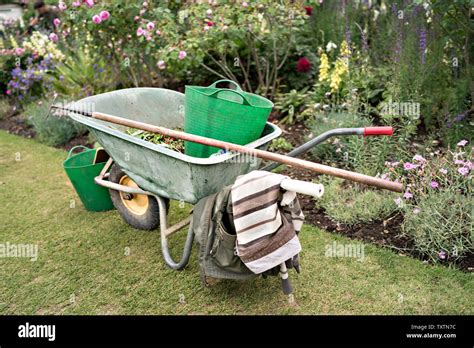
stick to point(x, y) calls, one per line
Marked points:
point(330, 46)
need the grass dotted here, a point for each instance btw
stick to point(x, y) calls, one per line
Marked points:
point(82, 258)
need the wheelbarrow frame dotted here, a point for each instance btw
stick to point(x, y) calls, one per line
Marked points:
point(167, 231)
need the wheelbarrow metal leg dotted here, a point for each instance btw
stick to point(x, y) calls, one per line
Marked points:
point(165, 232)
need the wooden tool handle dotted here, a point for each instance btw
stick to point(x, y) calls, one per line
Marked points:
point(295, 162)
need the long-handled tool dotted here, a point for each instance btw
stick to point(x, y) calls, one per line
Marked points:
point(295, 162)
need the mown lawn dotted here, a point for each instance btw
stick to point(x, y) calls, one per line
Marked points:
point(82, 266)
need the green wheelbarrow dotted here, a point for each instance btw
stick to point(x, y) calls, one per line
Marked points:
point(142, 177)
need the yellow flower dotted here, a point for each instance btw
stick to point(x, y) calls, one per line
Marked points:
point(345, 52)
point(13, 42)
point(41, 44)
point(324, 67)
point(340, 69)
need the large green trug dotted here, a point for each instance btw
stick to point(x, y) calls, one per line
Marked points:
point(230, 115)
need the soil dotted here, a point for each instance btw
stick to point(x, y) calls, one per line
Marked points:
point(386, 233)
point(15, 124)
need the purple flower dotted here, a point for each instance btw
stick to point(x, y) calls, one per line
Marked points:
point(409, 166)
point(53, 37)
point(62, 6)
point(458, 162)
point(462, 143)
point(422, 45)
point(434, 184)
point(442, 255)
point(56, 22)
point(182, 55)
point(419, 158)
point(161, 64)
point(150, 26)
point(463, 171)
point(407, 195)
point(140, 31)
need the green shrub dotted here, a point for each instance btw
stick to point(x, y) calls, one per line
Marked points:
point(281, 144)
point(441, 226)
point(52, 130)
point(291, 104)
point(351, 203)
point(438, 202)
point(4, 108)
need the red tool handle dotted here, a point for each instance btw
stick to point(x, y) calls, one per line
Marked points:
point(369, 131)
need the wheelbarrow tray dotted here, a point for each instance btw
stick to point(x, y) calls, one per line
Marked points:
point(156, 168)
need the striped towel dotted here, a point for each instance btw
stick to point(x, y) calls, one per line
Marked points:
point(266, 220)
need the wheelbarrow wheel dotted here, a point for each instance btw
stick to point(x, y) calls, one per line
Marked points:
point(140, 211)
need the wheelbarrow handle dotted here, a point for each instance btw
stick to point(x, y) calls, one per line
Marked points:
point(369, 131)
point(302, 149)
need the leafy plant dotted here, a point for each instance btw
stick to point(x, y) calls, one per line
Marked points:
point(5, 108)
point(281, 144)
point(52, 131)
point(291, 104)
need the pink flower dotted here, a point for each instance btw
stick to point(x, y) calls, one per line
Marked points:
point(407, 195)
point(62, 6)
point(158, 32)
point(142, 11)
point(19, 51)
point(104, 15)
point(182, 55)
point(419, 158)
point(150, 26)
point(458, 162)
point(136, 18)
point(442, 255)
point(209, 12)
point(463, 171)
point(8, 92)
point(76, 4)
point(409, 166)
point(140, 31)
point(145, 4)
point(161, 64)
point(245, 4)
point(96, 19)
point(206, 28)
point(444, 171)
point(434, 184)
point(416, 211)
point(89, 3)
point(398, 201)
point(56, 22)
point(462, 143)
point(53, 37)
